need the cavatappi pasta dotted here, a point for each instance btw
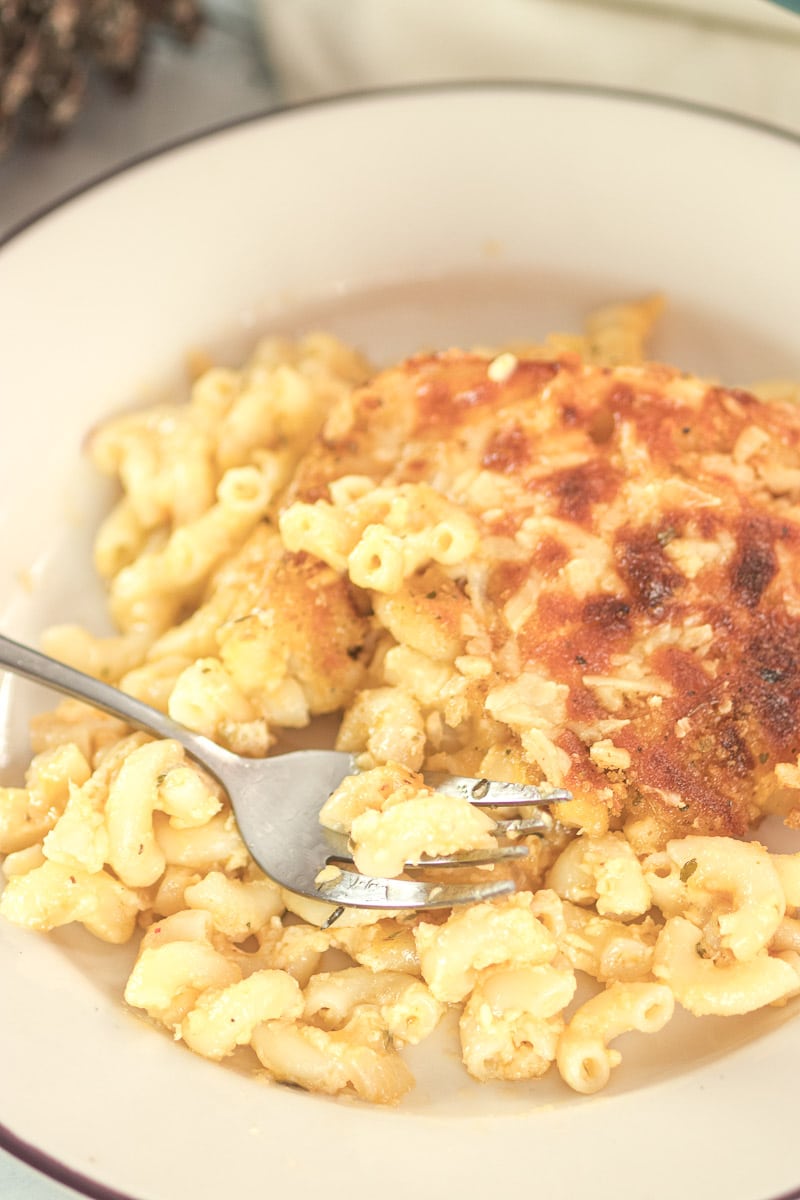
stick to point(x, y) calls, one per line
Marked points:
point(525, 584)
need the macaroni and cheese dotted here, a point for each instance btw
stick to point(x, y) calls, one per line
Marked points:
point(554, 563)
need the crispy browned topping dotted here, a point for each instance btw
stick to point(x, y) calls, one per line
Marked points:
point(655, 571)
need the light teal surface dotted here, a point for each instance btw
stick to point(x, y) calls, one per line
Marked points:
point(19, 1182)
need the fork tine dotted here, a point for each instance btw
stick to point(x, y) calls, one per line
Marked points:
point(465, 858)
point(369, 891)
point(471, 858)
point(340, 852)
point(487, 794)
point(540, 824)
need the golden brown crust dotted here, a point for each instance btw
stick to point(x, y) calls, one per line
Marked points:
point(641, 544)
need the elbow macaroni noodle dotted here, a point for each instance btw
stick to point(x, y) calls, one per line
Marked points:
point(121, 833)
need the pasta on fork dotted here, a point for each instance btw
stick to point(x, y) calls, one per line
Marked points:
point(553, 562)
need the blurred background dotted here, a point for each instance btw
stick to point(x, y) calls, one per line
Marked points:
point(88, 84)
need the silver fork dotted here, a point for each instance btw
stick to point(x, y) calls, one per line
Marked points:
point(276, 802)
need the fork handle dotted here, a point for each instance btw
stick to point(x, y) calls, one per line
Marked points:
point(40, 668)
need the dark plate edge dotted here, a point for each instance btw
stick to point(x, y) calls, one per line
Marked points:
point(598, 91)
point(56, 1170)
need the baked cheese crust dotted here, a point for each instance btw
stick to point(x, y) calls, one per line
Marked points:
point(639, 556)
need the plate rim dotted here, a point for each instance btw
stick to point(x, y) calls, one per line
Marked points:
point(19, 1149)
point(357, 95)
point(56, 1171)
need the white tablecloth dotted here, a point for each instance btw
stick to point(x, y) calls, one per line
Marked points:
point(741, 55)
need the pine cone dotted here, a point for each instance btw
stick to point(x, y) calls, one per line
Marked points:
point(49, 47)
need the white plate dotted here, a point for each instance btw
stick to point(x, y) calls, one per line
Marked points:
point(402, 220)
